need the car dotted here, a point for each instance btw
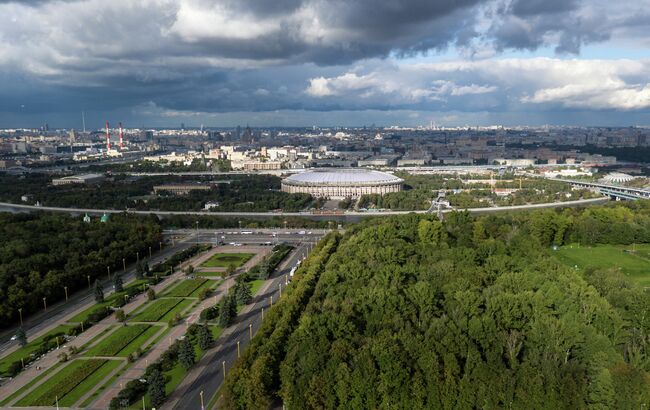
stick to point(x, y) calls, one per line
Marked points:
point(14, 337)
point(302, 232)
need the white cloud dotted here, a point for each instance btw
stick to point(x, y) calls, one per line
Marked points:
point(582, 84)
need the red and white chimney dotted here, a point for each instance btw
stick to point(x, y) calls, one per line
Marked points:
point(108, 138)
point(121, 137)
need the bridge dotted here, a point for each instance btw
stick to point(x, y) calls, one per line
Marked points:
point(613, 191)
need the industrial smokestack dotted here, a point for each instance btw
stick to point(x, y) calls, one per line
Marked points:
point(108, 138)
point(121, 137)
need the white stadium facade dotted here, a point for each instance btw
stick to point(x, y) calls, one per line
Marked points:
point(342, 183)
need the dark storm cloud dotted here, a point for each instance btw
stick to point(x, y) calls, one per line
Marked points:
point(528, 24)
point(262, 55)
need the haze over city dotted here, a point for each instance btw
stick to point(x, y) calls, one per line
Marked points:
point(160, 63)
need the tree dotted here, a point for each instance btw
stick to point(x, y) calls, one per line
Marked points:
point(120, 316)
point(186, 354)
point(151, 294)
point(99, 292)
point(139, 270)
point(156, 387)
point(118, 284)
point(21, 336)
point(227, 310)
point(189, 270)
point(230, 270)
point(145, 269)
point(204, 338)
point(243, 293)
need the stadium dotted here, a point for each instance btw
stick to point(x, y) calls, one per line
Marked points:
point(343, 183)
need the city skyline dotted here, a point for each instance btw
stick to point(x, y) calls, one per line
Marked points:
point(161, 63)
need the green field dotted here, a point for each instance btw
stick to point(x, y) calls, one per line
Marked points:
point(28, 349)
point(156, 310)
point(210, 274)
point(15, 394)
point(89, 383)
point(185, 288)
point(181, 306)
point(109, 301)
point(256, 285)
point(117, 341)
point(223, 260)
point(61, 383)
point(635, 265)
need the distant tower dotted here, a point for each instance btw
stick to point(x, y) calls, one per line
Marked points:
point(108, 138)
point(83, 121)
point(121, 137)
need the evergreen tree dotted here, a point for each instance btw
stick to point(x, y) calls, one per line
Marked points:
point(186, 354)
point(139, 270)
point(99, 292)
point(118, 284)
point(230, 270)
point(156, 387)
point(243, 293)
point(21, 336)
point(204, 338)
point(227, 310)
point(145, 269)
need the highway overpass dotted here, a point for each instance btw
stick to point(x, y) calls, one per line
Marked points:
point(613, 191)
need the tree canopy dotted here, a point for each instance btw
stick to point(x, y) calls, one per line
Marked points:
point(412, 312)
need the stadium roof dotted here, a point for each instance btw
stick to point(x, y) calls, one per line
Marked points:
point(343, 177)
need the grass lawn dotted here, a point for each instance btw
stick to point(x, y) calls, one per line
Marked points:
point(27, 386)
point(256, 285)
point(89, 383)
point(223, 260)
point(116, 342)
point(209, 283)
point(185, 288)
point(181, 306)
point(155, 310)
point(634, 265)
point(109, 301)
point(210, 274)
point(216, 332)
point(140, 341)
point(61, 383)
point(28, 349)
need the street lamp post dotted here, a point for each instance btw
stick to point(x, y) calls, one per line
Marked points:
point(137, 256)
point(150, 252)
point(88, 277)
point(238, 355)
point(160, 244)
point(20, 313)
point(45, 304)
point(108, 269)
point(223, 364)
point(250, 331)
point(262, 313)
point(201, 394)
point(65, 288)
point(124, 264)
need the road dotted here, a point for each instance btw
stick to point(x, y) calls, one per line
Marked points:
point(353, 216)
point(57, 312)
point(210, 369)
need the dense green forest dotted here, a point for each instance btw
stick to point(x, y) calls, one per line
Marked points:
point(40, 253)
point(410, 312)
point(232, 193)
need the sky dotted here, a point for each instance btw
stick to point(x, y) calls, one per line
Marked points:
point(160, 63)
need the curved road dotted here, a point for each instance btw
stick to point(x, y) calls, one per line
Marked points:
point(6, 206)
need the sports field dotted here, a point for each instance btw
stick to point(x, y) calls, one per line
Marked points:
point(223, 260)
point(633, 261)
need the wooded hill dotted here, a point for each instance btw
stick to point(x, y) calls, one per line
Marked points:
point(413, 313)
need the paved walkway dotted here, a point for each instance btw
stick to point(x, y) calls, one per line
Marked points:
point(51, 358)
point(137, 369)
